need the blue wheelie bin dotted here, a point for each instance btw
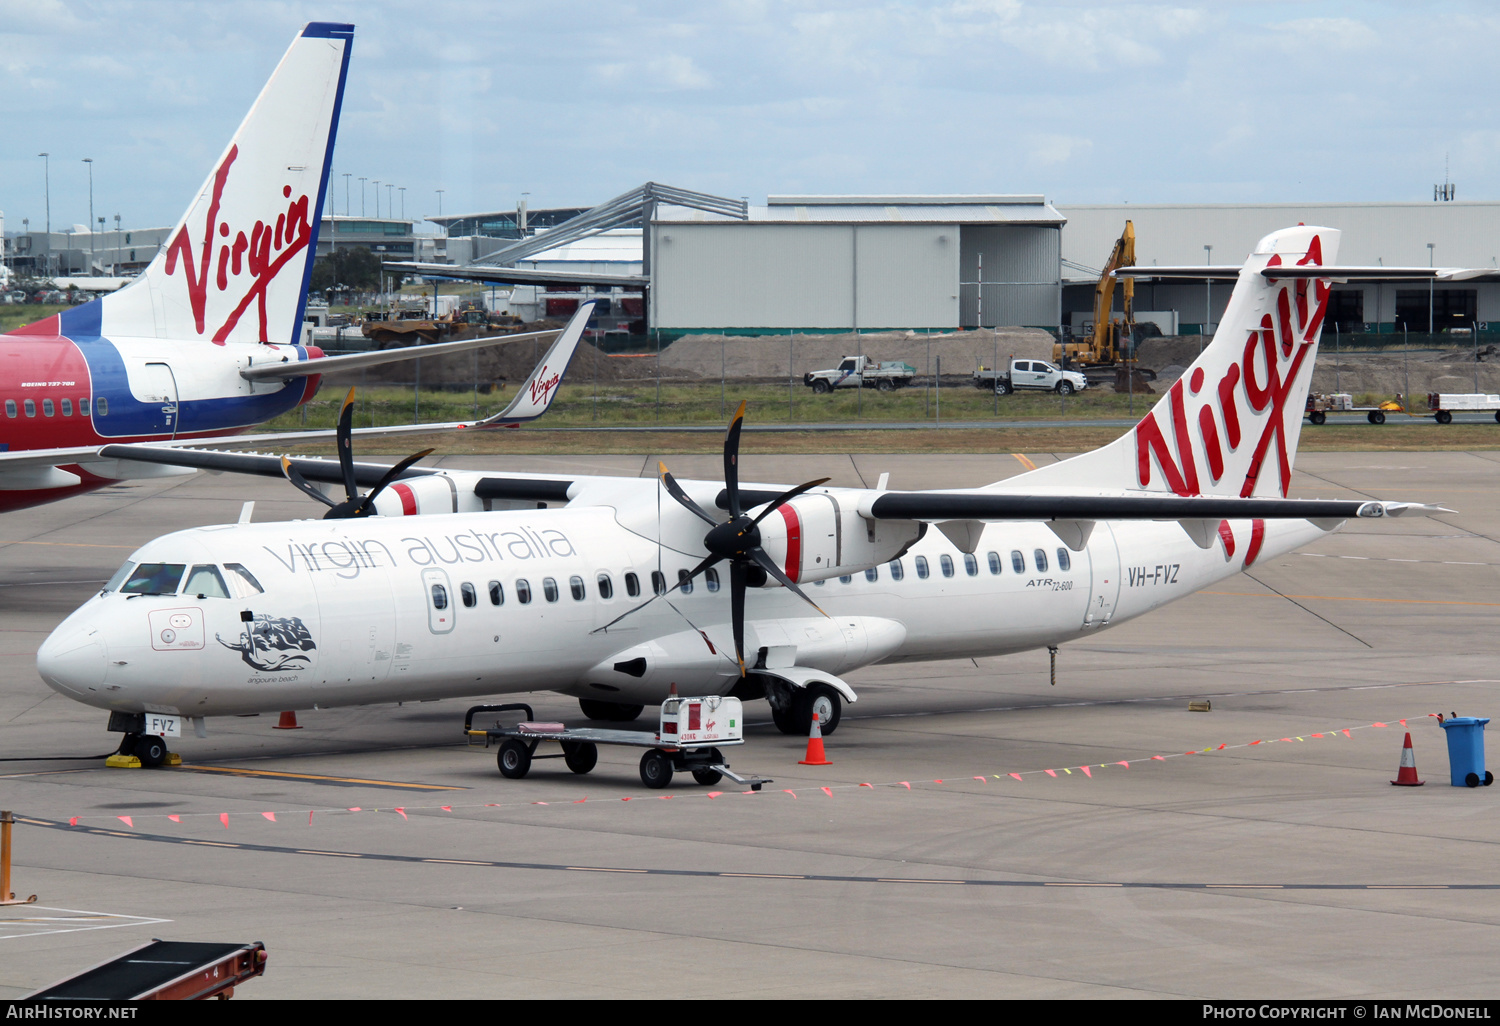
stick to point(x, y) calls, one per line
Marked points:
point(1466, 751)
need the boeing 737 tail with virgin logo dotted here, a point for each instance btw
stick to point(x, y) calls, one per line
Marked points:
point(205, 342)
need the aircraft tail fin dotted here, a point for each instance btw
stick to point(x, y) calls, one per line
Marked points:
point(536, 393)
point(1230, 424)
point(236, 266)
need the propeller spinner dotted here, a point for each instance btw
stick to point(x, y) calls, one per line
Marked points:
point(736, 542)
point(354, 504)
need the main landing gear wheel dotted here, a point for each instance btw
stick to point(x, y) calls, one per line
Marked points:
point(612, 712)
point(1376, 416)
point(150, 749)
point(1318, 417)
point(580, 756)
point(656, 769)
point(819, 698)
point(514, 758)
point(1444, 417)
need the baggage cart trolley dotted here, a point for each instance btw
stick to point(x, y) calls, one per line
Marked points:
point(687, 739)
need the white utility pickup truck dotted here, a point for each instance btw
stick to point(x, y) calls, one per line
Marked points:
point(860, 372)
point(1036, 374)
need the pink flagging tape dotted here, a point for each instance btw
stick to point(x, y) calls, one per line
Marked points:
point(1086, 772)
point(1050, 773)
point(906, 784)
point(789, 791)
point(401, 812)
point(269, 815)
point(446, 808)
point(715, 794)
point(861, 785)
point(981, 780)
point(126, 821)
point(1016, 775)
point(175, 818)
point(1159, 758)
point(224, 818)
point(1124, 763)
point(827, 790)
point(73, 821)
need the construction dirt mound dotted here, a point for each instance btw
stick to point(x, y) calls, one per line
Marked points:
point(776, 357)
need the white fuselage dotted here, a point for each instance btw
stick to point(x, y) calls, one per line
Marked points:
point(400, 609)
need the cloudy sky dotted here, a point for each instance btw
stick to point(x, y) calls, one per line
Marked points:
point(1083, 100)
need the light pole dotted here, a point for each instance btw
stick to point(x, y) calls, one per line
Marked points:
point(47, 190)
point(1208, 293)
point(377, 197)
point(90, 162)
point(346, 193)
point(388, 211)
point(362, 196)
point(440, 202)
point(402, 190)
point(117, 241)
point(1430, 296)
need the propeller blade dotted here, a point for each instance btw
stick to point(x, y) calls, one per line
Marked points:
point(766, 563)
point(367, 503)
point(345, 436)
point(737, 574)
point(675, 490)
point(787, 496)
point(293, 475)
point(710, 561)
point(732, 461)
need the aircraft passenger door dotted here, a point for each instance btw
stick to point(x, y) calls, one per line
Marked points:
point(440, 600)
point(161, 390)
point(1104, 577)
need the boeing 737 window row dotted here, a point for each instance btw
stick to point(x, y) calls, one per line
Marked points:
point(49, 408)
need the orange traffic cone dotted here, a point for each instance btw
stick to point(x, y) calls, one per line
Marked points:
point(1406, 776)
point(288, 722)
point(815, 756)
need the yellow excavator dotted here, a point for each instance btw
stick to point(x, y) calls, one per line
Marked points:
point(1108, 345)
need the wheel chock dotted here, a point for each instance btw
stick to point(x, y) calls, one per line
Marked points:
point(172, 759)
point(122, 762)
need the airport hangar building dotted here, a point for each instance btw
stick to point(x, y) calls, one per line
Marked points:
point(842, 263)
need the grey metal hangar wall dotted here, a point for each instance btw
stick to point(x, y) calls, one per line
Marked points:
point(860, 262)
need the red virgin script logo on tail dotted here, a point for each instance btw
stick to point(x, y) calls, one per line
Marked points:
point(1279, 347)
point(542, 386)
point(261, 255)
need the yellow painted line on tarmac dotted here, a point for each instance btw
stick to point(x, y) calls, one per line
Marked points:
point(235, 771)
point(1025, 460)
point(1349, 598)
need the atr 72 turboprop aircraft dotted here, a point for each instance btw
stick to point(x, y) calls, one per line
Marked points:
point(203, 343)
point(757, 591)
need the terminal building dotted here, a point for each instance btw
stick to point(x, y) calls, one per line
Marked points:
point(702, 263)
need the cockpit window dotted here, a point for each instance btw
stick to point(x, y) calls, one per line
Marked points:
point(205, 582)
point(120, 575)
point(154, 579)
point(243, 581)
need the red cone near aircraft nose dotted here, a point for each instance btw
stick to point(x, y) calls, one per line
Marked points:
point(288, 722)
point(815, 756)
point(1406, 776)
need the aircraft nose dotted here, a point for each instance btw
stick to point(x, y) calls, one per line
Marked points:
point(71, 660)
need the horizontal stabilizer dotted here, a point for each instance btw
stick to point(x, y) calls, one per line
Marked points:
point(287, 367)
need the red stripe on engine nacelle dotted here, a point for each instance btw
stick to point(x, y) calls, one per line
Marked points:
point(793, 540)
point(408, 499)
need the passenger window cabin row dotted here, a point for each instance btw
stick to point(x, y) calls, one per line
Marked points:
point(50, 409)
point(578, 588)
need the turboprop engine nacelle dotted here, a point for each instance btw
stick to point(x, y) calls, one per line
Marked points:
point(820, 535)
